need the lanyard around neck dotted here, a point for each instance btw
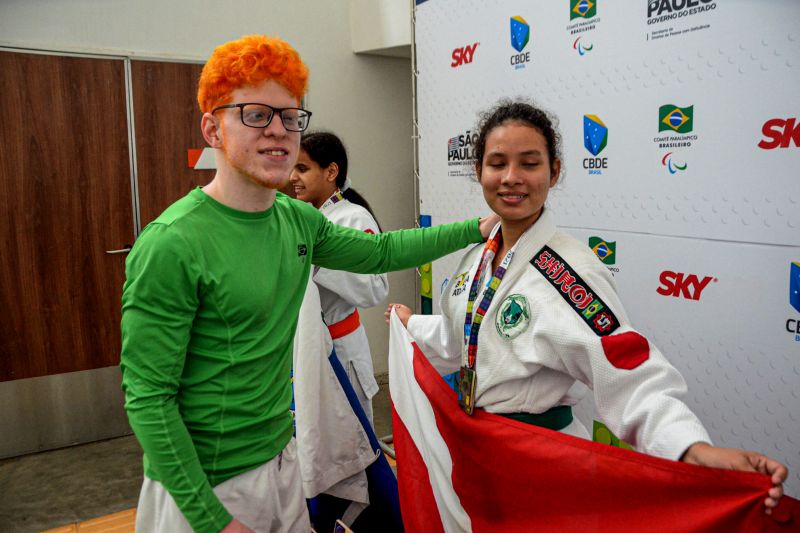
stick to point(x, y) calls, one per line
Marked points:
point(335, 197)
point(472, 321)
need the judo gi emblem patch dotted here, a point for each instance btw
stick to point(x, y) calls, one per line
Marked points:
point(513, 316)
point(460, 283)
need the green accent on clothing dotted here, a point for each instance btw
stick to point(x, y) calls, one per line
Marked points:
point(556, 418)
point(209, 312)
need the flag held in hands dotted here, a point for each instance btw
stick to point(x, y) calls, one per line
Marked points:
point(488, 473)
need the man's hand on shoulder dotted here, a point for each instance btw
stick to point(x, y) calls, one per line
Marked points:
point(486, 224)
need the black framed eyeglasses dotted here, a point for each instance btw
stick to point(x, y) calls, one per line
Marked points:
point(260, 115)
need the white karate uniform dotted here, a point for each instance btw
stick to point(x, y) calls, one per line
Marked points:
point(342, 292)
point(332, 446)
point(535, 342)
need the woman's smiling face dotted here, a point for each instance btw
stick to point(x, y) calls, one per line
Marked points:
point(516, 173)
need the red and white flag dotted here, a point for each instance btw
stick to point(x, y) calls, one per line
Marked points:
point(488, 473)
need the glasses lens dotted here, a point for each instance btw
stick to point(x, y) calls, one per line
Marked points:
point(256, 115)
point(295, 119)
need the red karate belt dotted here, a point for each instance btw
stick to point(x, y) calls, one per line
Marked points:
point(346, 326)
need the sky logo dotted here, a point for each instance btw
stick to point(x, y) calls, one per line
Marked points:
point(677, 119)
point(520, 33)
point(463, 55)
point(582, 9)
point(672, 167)
point(680, 285)
point(577, 45)
point(781, 133)
point(595, 134)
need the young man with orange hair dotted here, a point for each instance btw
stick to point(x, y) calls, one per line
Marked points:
point(210, 306)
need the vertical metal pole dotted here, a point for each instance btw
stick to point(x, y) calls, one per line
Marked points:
point(137, 227)
point(415, 137)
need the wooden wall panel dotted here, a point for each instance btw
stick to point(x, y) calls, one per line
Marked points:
point(65, 199)
point(167, 124)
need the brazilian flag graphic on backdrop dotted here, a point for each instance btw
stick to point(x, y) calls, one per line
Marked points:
point(582, 9)
point(677, 119)
point(605, 250)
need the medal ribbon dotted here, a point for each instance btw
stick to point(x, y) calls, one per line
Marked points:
point(335, 197)
point(472, 321)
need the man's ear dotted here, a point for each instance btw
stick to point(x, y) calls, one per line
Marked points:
point(211, 127)
point(331, 172)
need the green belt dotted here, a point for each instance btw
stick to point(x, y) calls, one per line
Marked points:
point(556, 418)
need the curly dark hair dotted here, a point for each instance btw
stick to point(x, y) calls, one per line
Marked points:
point(508, 110)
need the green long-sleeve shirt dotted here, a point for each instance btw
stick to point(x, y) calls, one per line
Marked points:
point(209, 311)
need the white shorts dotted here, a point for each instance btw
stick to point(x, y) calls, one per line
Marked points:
point(266, 499)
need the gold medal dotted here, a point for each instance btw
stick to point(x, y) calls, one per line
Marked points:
point(467, 381)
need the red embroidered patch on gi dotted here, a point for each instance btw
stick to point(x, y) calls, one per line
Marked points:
point(626, 350)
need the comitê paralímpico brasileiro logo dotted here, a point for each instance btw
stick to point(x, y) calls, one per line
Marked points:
point(581, 48)
point(605, 250)
point(582, 9)
point(673, 167)
point(674, 118)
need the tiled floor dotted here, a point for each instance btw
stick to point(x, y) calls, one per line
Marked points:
point(60, 487)
point(91, 488)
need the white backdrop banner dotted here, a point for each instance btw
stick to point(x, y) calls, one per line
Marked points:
point(681, 134)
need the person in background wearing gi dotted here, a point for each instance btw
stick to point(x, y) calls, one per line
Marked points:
point(320, 178)
point(534, 310)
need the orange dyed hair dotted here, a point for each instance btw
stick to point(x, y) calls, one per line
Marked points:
point(247, 62)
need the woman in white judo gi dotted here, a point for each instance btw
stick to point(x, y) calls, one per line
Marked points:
point(320, 178)
point(533, 310)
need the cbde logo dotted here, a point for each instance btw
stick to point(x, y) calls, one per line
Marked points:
point(464, 55)
point(678, 284)
point(585, 9)
point(793, 324)
point(780, 133)
point(595, 139)
point(520, 36)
